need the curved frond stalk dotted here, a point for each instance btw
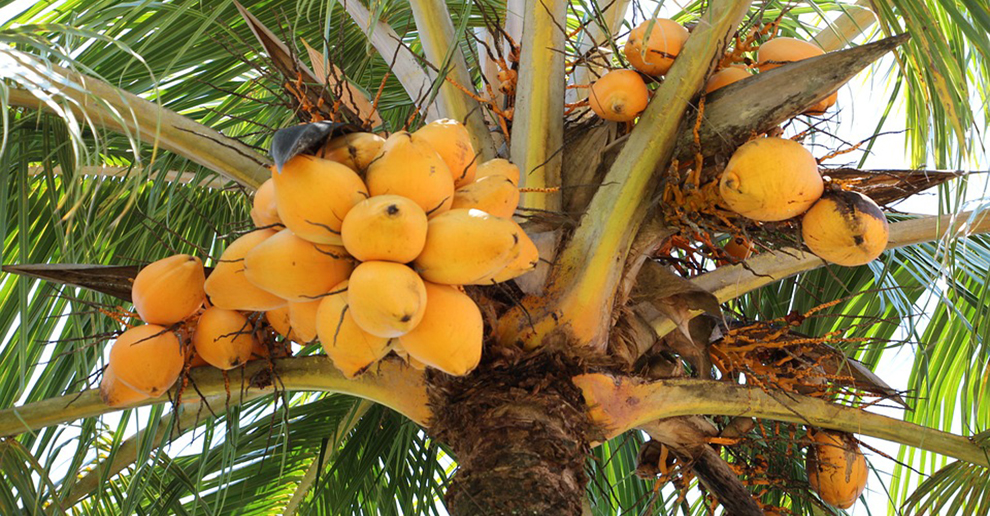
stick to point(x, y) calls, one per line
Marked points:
point(102, 172)
point(620, 404)
point(392, 384)
point(538, 120)
point(103, 105)
point(312, 472)
point(586, 267)
point(127, 452)
point(416, 80)
point(731, 281)
point(854, 20)
point(688, 438)
point(438, 37)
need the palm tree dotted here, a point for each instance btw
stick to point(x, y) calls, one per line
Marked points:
point(134, 130)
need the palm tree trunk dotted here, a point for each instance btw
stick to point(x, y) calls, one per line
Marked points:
point(521, 436)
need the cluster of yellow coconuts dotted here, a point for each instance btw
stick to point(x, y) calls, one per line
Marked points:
point(621, 95)
point(364, 246)
point(774, 179)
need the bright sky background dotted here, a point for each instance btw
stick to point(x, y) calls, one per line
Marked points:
point(860, 107)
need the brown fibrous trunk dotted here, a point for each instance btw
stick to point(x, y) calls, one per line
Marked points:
point(520, 433)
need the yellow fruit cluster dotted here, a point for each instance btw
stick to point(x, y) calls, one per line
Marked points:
point(365, 246)
point(380, 235)
point(652, 47)
point(774, 179)
point(169, 297)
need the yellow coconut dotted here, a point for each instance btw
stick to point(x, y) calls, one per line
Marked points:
point(822, 106)
point(147, 359)
point(352, 349)
point(385, 227)
point(296, 269)
point(195, 360)
point(264, 211)
point(449, 337)
point(725, 77)
point(169, 290)
point(528, 259)
point(845, 228)
point(302, 319)
point(452, 142)
point(653, 54)
point(619, 96)
point(355, 150)
point(771, 179)
point(836, 468)
point(227, 285)
point(280, 321)
point(411, 168)
point(783, 50)
point(464, 247)
point(224, 338)
point(115, 393)
point(496, 195)
point(410, 361)
point(498, 167)
point(314, 195)
point(738, 247)
point(387, 299)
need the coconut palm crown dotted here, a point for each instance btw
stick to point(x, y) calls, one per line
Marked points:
point(666, 353)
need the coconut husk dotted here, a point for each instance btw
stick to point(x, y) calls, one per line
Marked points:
point(887, 187)
point(112, 280)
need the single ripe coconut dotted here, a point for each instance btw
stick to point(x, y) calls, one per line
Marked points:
point(387, 299)
point(224, 338)
point(653, 45)
point(498, 167)
point(619, 96)
point(264, 210)
point(280, 321)
point(302, 319)
point(845, 228)
point(771, 179)
point(115, 393)
point(295, 269)
point(229, 288)
point(410, 167)
point(822, 106)
point(496, 195)
point(528, 259)
point(449, 337)
point(385, 227)
point(738, 247)
point(195, 360)
point(836, 468)
point(783, 50)
point(410, 361)
point(452, 142)
point(147, 359)
point(314, 195)
point(466, 247)
point(725, 77)
point(355, 150)
point(169, 290)
point(352, 349)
